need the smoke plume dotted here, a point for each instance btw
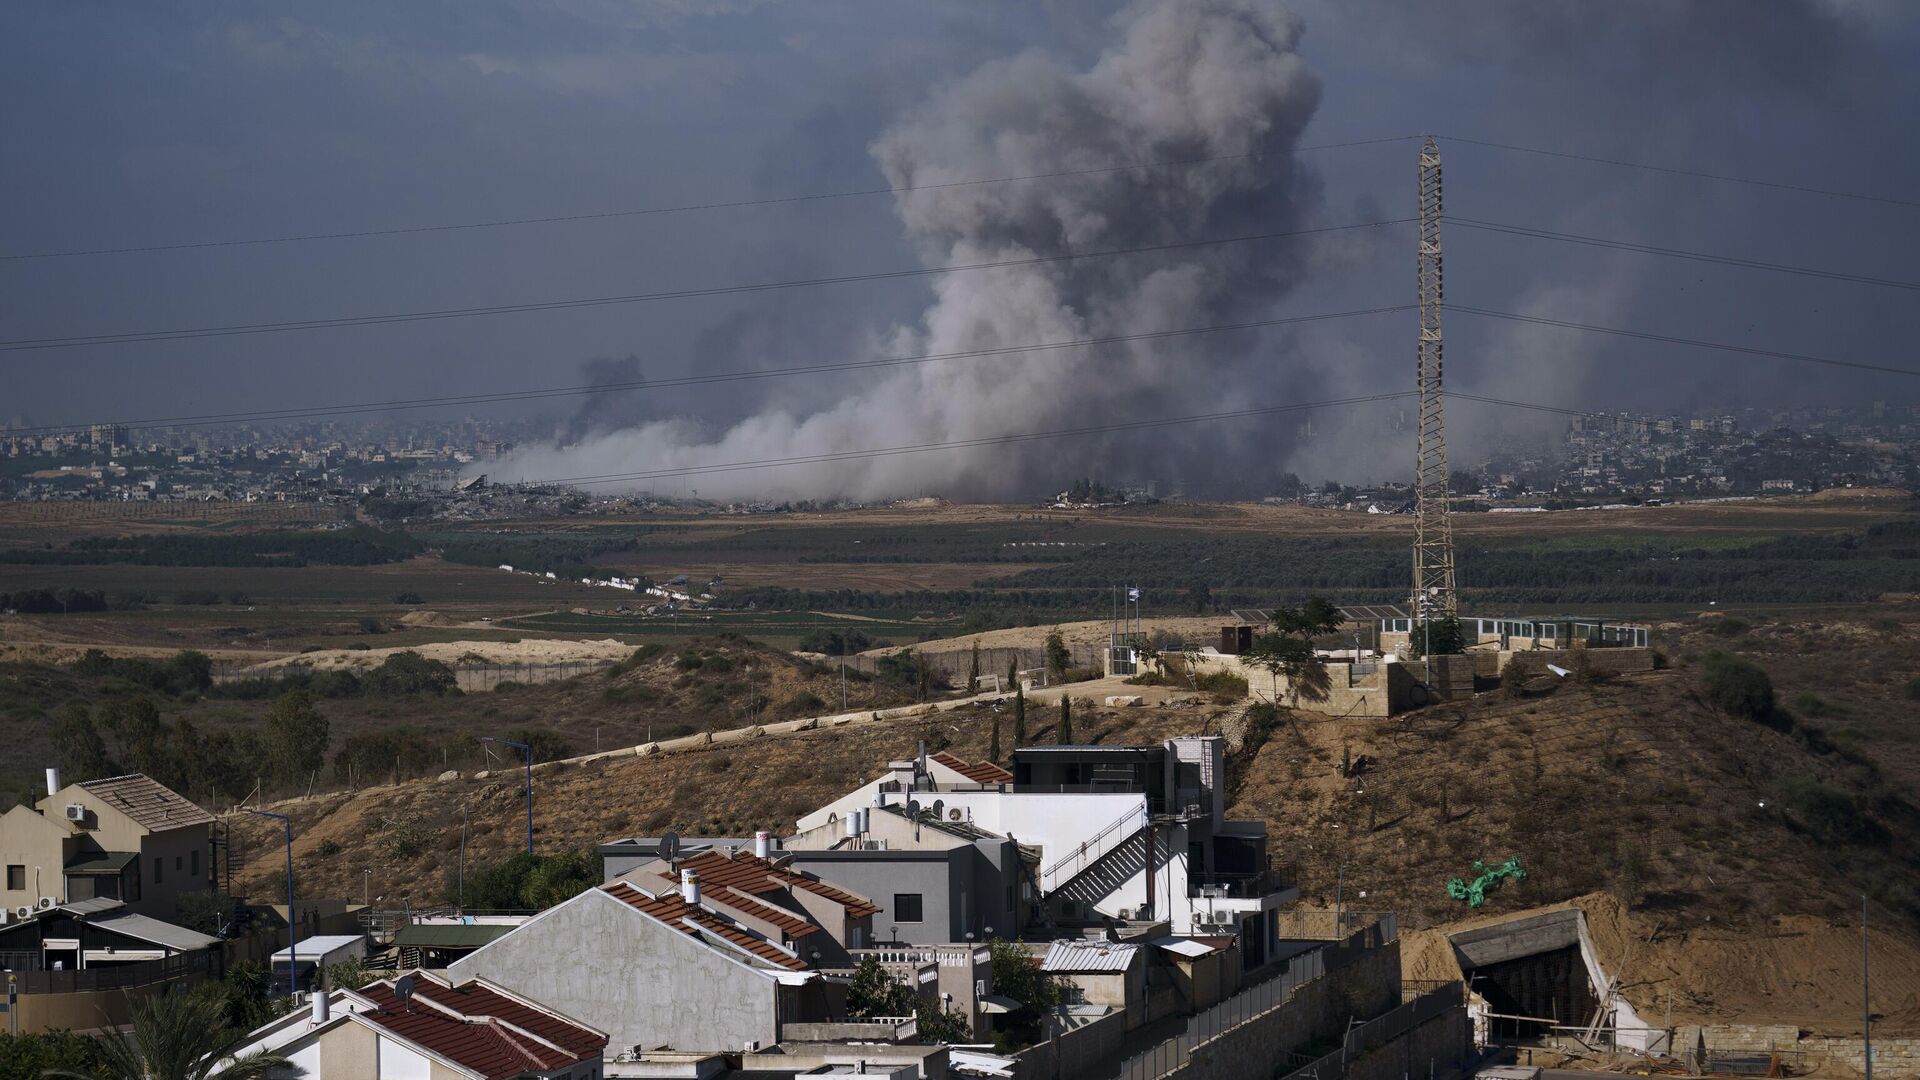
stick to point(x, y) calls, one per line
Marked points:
point(1183, 80)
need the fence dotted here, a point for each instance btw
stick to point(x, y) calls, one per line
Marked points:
point(1384, 1028)
point(956, 663)
point(469, 676)
point(1262, 997)
point(119, 976)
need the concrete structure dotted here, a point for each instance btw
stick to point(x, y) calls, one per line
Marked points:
point(653, 970)
point(418, 1026)
point(124, 838)
point(933, 881)
point(1545, 965)
point(1134, 833)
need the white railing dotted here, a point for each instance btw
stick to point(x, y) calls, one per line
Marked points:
point(1094, 848)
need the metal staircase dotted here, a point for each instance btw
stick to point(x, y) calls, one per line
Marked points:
point(1094, 848)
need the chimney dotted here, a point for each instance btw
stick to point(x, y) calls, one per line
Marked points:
point(690, 887)
point(53, 782)
point(322, 1006)
point(763, 844)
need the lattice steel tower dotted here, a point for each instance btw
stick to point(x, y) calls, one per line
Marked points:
point(1433, 594)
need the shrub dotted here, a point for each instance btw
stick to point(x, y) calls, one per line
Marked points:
point(1728, 626)
point(408, 598)
point(1829, 813)
point(1741, 688)
point(410, 673)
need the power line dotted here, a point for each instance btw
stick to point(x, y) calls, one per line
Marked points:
point(1693, 342)
point(1676, 253)
point(538, 393)
point(733, 204)
point(956, 444)
point(1699, 174)
point(636, 298)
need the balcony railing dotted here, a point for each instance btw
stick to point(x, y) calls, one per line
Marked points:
point(1248, 886)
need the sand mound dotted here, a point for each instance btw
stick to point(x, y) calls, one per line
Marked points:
point(427, 618)
point(506, 653)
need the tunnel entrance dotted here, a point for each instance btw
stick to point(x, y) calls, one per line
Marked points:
point(1529, 975)
point(1550, 986)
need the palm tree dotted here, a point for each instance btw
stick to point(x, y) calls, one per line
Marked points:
point(176, 1037)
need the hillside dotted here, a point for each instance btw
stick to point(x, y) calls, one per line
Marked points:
point(1632, 789)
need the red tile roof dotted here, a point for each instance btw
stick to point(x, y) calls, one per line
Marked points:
point(792, 925)
point(481, 1029)
point(752, 874)
point(670, 909)
point(984, 772)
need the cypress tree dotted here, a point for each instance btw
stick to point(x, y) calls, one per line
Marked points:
point(1019, 717)
point(1066, 720)
point(993, 740)
point(973, 668)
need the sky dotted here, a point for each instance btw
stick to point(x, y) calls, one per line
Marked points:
point(132, 125)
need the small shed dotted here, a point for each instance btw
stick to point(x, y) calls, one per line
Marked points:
point(324, 950)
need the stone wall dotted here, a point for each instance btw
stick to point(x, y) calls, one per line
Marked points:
point(1893, 1058)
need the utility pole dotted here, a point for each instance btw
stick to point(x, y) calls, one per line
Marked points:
point(1433, 586)
point(1866, 998)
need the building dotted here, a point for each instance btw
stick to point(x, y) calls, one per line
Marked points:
point(1122, 833)
point(658, 968)
point(72, 964)
point(419, 1026)
point(798, 911)
point(934, 880)
point(125, 838)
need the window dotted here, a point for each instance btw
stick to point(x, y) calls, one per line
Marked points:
point(16, 877)
point(178, 863)
point(906, 907)
point(158, 865)
point(193, 867)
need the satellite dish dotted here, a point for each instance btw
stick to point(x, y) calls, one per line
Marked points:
point(403, 989)
point(913, 809)
point(670, 846)
point(939, 809)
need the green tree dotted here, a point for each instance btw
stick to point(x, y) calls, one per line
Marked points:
point(1287, 649)
point(296, 736)
point(1065, 734)
point(33, 1055)
point(527, 882)
point(1016, 977)
point(142, 735)
point(175, 1037)
point(1440, 637)
point(973, 668)
point(1019, 717)
point(78, 745)
point(1058, 656)
point(993, 738)
point(410, 673)
point(1013, 671)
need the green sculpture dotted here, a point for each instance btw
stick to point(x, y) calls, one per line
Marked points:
point(1485, 881)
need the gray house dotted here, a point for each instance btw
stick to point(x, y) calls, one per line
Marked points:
point(935, 880)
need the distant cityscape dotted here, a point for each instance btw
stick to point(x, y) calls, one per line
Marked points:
point(1596, 458)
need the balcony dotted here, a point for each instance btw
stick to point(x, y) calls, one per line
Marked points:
point(1248, 886)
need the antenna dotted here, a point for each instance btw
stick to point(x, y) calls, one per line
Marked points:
point(1433, 595)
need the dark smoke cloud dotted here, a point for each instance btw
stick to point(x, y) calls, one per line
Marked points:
point(1182, 79)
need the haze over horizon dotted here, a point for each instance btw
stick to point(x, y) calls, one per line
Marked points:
point(150, 129)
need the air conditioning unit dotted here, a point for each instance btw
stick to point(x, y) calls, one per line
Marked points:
point(23, 913)
point(76, 811)
point(48, 903)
